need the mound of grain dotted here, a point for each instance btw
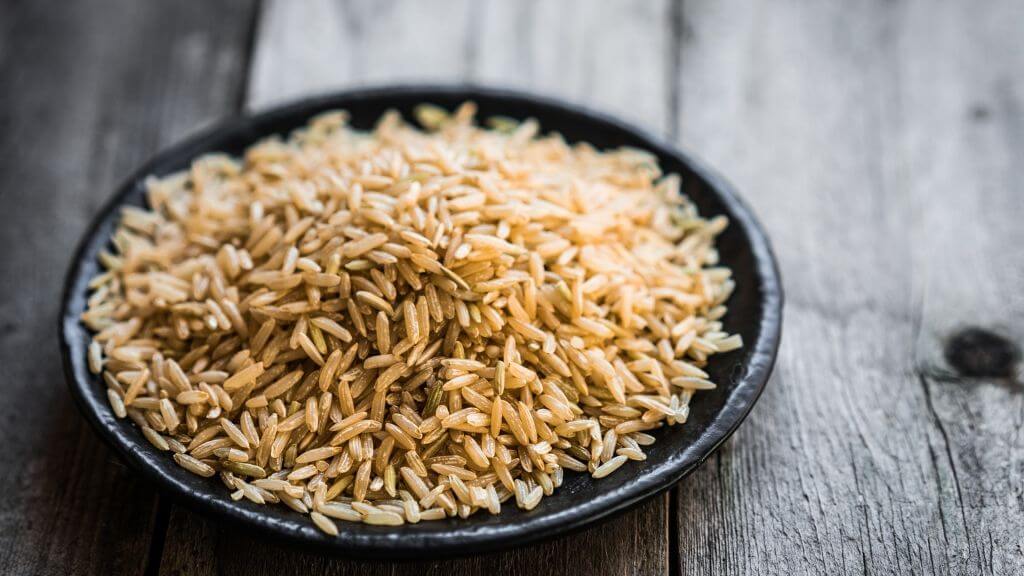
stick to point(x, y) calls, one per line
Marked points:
point(406, 325)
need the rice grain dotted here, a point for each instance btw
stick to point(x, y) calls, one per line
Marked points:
point(405, 325)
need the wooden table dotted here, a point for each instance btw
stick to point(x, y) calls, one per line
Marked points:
point(880, 141)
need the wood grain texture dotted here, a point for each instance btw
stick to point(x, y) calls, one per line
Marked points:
point(554, 48)
point(615, 57)
point(881, 144)
point(634, 543)
point(963, 100)
point(89, 90)
point(310, 47)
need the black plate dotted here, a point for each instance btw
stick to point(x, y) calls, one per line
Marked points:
point(755, 312)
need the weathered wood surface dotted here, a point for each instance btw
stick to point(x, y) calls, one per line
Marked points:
point(635, 543)
point(89, 89)
point(881, 143)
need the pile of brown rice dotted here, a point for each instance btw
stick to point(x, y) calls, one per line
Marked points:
point(407, 325)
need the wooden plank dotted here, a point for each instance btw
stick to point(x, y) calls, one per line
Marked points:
point(633, 543)
point(792, 103)
point(309, 47)
point(880, 142)
point(89, 89)
point(613, 58)
point(963, 100)
point(565, 49)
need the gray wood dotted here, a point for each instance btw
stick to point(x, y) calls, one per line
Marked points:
point(559, 48)
point(881, 144)
point(634, 543)
point(89, 89)
point(308, 47)
point(615, 57)
point(964, 99)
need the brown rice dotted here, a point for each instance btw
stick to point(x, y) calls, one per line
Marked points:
point(408, 325)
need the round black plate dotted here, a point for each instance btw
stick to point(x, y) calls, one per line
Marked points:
point(755, 311)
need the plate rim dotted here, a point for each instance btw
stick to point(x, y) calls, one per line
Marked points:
point(455, 543)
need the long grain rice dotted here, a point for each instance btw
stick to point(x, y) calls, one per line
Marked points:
point(408, 325)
